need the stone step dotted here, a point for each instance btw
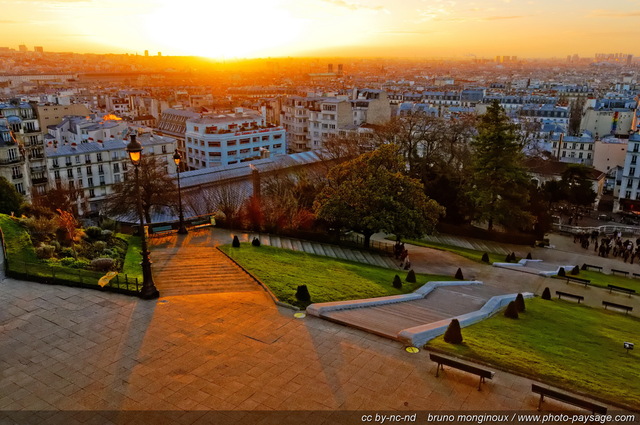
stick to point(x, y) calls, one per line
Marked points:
point(286, 243)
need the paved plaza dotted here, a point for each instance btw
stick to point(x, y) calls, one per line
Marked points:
point(72, 349)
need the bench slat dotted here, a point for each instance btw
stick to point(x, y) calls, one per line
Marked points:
point(566, 294)
point(482, 373)
point(620, 306)
point(567, 398)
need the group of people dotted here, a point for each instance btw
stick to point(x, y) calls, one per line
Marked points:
point(613, 245)
point(402, 254)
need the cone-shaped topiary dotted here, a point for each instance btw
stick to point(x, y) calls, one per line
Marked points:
point(520, 303)
point(485, 258)
point(236, 242)
point(529, 257)
point(302, 294)
point(255, 242)
point(561, 272)
point(513, 256)
point(453, 335)
point(546, 294)
point(584, 266)
point(459, 274)
point(411, 276)
point(512, 311)
point(507, 258)
point(575, 271)
point(397, 283)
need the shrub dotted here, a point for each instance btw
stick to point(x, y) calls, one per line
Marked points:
point(512, 311)
point(56, 245)
point(302, 294)
point(99, 246)
point(459, 275)
point(106, 234)
point(529, 257)
point(485, 258)
point(40, 229)
point(453, 335)
point(546, 294)
point(561, 272)
point(80, 264)
point(513, 256)
point(507, 258)
point(397, 283)
point(102, 264)
point(520, 303)
point(584, 266)
point(108, 224)
point(45, 251)
point(575, 271)
point(67, 253)
point(93, 232)
point(236, 242)
point(411, 276)
point(67, 261)
point(255, 242)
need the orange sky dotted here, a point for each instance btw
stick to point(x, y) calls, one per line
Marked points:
point(261, 28)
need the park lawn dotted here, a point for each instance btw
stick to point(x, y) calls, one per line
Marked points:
point(18, 241)
point(602, 280)
point(561, 343)
point(328, 279)
point(133, 257)
point(471, 254)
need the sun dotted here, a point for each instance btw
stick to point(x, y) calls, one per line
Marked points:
point(230, 29)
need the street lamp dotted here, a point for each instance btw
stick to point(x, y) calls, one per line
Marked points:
point(149, 291)
point(177, 158)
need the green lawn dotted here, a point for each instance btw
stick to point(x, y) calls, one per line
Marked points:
point(19, 246)
point(562, 343)
point(328, 279)
point(133, 257)
point(602, 280)
point(471, 254)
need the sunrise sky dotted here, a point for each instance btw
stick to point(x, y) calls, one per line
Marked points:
point(261, 28)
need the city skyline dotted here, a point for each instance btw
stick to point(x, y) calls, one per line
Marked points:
point(367, 28)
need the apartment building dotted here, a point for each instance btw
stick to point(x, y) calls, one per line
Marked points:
point(95, 166)
point(173, 123)
point(573, 149)
point(224, 139)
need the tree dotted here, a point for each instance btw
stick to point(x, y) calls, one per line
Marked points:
point(453, 334)
point(157, 189)
point(577, 185)
point(59, 197)
point(10, 199)
point(499, 183)
point(370, 194)
point(575, 116)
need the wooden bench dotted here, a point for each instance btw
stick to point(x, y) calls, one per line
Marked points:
point(584, 282)
point(626, 308)
point(636, 275)
point(159, 230)
point(567, 398)
point(614, 271)
point(591, 266)
point(201, 222)
point(621, 289)
point(560, 294)
point(482, 373)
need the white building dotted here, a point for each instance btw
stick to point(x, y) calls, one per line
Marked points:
point(572, 149)
point(215, 140)
point(96, 166)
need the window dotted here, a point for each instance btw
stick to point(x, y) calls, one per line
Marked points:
point(629, 183)
point(265, 138)
point(256, 149)
point(277, 136)
point(99, 156)
point(87, 159)
point(564, 154)
point(102, 181)
point(90, 181)
point(636, 147)
point(77, 159)
point(56, 174)
point(244, 141)
point(632, 171)
point(89, 171)
point(72, 184)
point(70, 173)
point(100, 169)
point(124, 166)
point(232, 153)
point(92, 193)
point(20, 188)
point(116, 178)
point(55, 162)
point(214, 144)
point(231, 142)
point(244, 150)
point(580, 155)
point(164, 148)
point(634, 158)
point(628, 194)
point(276, 146)
point(215, 154)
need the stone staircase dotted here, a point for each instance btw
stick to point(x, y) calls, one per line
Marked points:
point(389, 320)
point(189, 270)
point(327, 250)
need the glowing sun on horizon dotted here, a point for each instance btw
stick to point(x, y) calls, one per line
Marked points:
point(241, 28)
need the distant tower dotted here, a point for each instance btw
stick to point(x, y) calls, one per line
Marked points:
point(498, 59)
point(38, 49)
point(340, 70)
point(146, 53)
point(330, 68)
point(22, 48)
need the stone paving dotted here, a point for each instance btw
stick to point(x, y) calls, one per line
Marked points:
point(71, 349)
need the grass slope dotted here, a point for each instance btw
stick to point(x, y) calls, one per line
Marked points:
point(328, 279)
point(562, 343)
point(471, 254)
point(602, 280)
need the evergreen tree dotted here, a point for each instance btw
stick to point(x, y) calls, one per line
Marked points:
point(10, 199)
point(520, 303)
point(453, 334)
point(546, 294)
point(499, 185)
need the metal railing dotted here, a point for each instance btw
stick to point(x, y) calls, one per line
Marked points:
point(608, 228)
point(379, 246)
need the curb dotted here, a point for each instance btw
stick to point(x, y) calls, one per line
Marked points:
point(275, 299)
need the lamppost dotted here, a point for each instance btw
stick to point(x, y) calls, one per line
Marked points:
point(149, 291)
point(177, 158)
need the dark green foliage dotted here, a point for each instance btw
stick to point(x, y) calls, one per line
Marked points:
point(103, 264)
point(511, 311)
point(453, 335)
point(302, 294)
point(459, 275)
point(529, 257)
point(584, 266)
point(508, 258)
point(397, 283)
point(575, 271)
point(520, 303)
point(513, 257)
point(561, 272)
point(546, 294)
point(93, 232)
point(10, 199)
point(255, 242)
point(236, 242)
point(485, 258)
point(411, 276)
